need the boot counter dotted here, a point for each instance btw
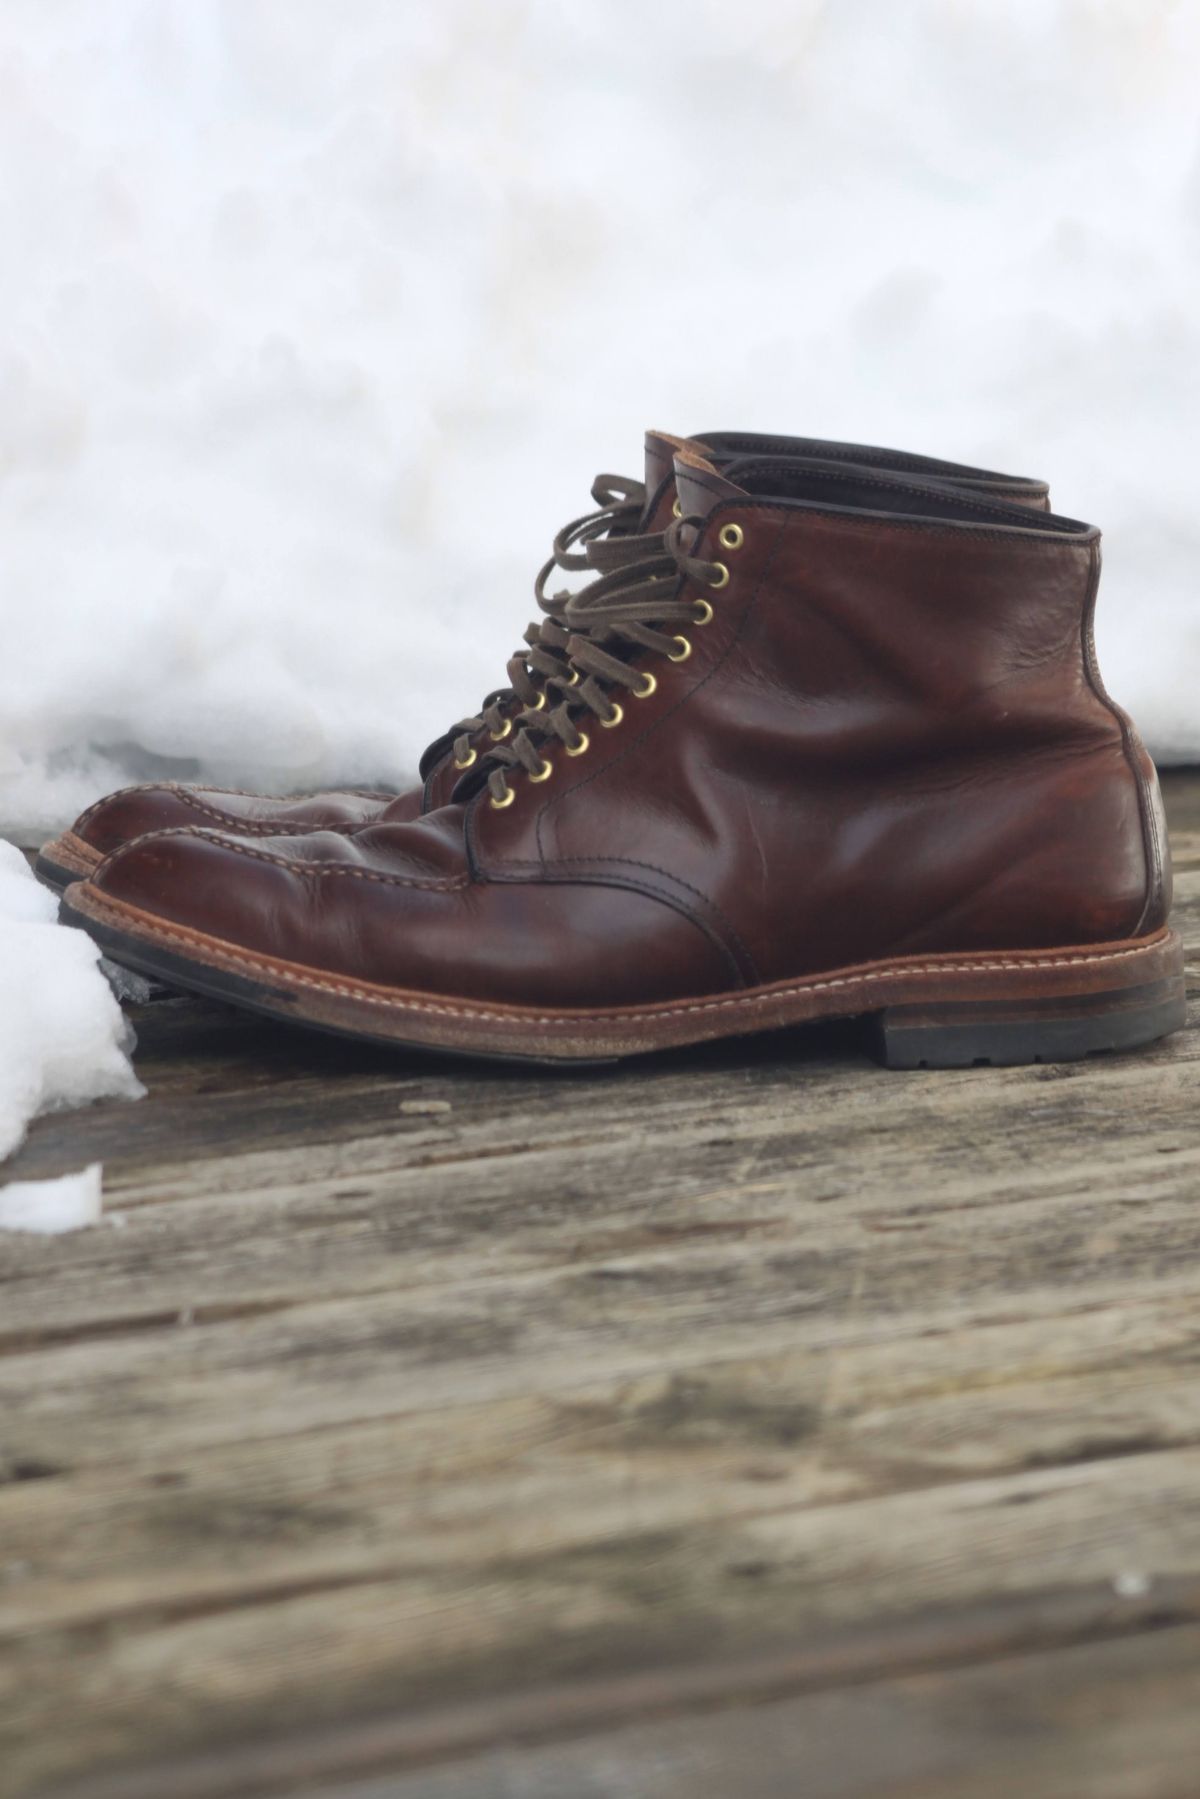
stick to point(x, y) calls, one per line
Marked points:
point(1159, 879)
point(1156, 846)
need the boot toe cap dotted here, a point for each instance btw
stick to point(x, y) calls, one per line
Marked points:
point(133, 812)
point(206, 882)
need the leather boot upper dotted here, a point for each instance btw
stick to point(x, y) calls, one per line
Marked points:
point(863, 720)
point(159, 806)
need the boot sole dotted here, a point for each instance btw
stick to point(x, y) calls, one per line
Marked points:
point(66, 859)
point(949, 1011)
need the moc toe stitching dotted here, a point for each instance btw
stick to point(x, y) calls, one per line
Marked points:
point(291, 864)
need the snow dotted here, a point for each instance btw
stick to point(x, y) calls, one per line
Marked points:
point(63, 1039)
point(317, 325)
point(50, 1208)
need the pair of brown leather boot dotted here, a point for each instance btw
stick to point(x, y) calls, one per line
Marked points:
point(822, 736)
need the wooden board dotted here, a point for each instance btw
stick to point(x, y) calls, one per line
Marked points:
point(414, 1428)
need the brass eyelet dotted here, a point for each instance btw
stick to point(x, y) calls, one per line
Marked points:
point(704, 615)
point(581, 746)
point(466, 761)
point(544, 772)
point(732, 537)
point(676, 510)
point(685, 651)
point(504, 731)
point(572, 679)
point(722, 579)
point(539, 705)
point(502, 805)
point(614, 718)
point(649, 686)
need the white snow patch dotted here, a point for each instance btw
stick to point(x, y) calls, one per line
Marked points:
point(63, 1039)
point(50, 1208)
point(321, 330)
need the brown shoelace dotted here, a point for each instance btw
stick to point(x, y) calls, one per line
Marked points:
point(600, 541)
point(628, 610)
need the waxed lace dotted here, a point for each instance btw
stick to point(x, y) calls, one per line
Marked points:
point(626, 611)
point(601, 541)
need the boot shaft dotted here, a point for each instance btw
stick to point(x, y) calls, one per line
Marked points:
point(890, 736)
point(833, 744)
point(722, 448)
point(660, 504)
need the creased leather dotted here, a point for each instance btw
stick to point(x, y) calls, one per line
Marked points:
point(159, 806)
point(888, 741)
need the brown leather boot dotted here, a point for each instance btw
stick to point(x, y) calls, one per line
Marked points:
point(628, 512)
point(842, 748)
point(119, 818)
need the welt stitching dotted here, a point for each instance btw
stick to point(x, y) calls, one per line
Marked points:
point(70, 840)
point(741, 1001)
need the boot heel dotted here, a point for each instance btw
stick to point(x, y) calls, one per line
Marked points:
point(1000, 1033)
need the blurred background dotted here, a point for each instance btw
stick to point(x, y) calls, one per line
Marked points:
point(317, 321)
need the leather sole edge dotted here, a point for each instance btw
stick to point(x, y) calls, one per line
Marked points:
point(64, 860)
point(1073, 1000)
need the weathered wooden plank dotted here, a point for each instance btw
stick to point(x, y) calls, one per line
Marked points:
point(401, 1383)
point(624, 1457)
point(921, 1657)
point(450, 1192)
point(1112, 1721)
point(625, 1306)
point(257, 1088)
point(255, 1604)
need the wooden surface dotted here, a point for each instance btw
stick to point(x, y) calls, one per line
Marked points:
point(750, 1422)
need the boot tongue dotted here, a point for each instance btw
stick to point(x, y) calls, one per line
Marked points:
point(700, 486)
point(661, 451)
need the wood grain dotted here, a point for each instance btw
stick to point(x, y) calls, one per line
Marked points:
point(416, 1424)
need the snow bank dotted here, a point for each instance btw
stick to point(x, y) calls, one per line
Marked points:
point(321, 321)
point(63, 1040)
point(51, 1208)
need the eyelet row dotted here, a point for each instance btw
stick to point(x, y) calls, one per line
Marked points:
point(649, 686)
point(731, 537)
point(539, 705)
